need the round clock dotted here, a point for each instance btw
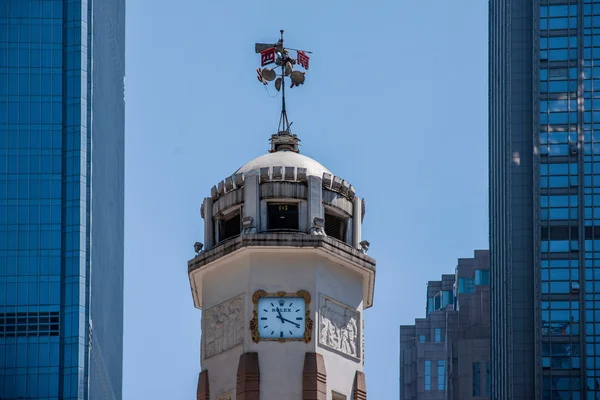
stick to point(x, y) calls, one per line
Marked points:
point(281, 316)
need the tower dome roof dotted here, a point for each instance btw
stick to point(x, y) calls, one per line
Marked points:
point(285, 159)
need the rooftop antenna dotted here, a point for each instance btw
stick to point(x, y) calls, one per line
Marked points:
point(284, 139)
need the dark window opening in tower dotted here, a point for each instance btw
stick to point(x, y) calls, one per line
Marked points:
point(29, 324)
point(335, 226)
point(282, 217)
point(230, 226)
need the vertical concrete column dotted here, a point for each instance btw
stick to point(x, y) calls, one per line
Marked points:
point(248, 377)
point(252, 199)
point(209, 226)
point(349, 230)
point(314, 377)
point(360, 387)
point(315, 199)
point(303, 216)
point(356, 223)
point(203, 392)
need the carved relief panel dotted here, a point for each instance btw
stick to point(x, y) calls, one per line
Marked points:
point(223, 327)
point(339, 327)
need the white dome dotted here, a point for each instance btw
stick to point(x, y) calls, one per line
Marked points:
point(285, 159)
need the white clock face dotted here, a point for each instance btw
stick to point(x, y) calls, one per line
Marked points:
point(281, 317)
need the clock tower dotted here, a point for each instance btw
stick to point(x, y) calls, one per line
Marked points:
point(282, 277)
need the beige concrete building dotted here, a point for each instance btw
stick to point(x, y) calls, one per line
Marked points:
point(446, 355)
point(282, 280)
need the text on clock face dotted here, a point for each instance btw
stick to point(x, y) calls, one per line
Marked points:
point(283, 310)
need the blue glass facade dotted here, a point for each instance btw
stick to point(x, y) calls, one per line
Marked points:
point(562, 232)
point(61, 198)
point(545, 198)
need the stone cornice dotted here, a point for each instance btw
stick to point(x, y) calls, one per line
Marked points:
point(335, 250)
point(278, 240)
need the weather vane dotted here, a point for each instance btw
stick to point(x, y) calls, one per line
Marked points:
point(280, 56)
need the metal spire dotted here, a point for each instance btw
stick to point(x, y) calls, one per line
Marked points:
point(283, 120)
point(284, 139)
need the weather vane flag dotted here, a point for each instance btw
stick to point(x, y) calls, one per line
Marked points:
point(283, 68)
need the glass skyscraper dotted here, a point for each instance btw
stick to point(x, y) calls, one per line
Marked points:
point(61, 198)
point(544, 121)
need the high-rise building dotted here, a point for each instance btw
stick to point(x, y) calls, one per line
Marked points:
point(61, 198)
point(544, 127)
point(446, 355)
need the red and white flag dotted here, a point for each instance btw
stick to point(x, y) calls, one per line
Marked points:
point(303, 59)
point(260, 78)
point(267, 56)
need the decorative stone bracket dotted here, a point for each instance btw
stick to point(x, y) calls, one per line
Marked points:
point(314, 377)
point(203, 392)
point(359, 391)
point(248, 377)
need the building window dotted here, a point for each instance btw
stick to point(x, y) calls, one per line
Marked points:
point(482, 277)
point(440, 300)
point(476, 379)
point(465, 285)
point(337, 396)
point(335, 226)
point(29, 324)
point(230, 225)
point(433, 304)
point(427, 375)
point(438, 335)
point(422, 339)
point(441, 365)
point(282, 216)
point(447, 298)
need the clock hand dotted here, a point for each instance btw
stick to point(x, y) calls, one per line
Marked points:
point(279, 316)
point(293, 323)
point(285, 320)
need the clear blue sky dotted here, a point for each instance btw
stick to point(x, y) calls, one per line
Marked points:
point(395, 102)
